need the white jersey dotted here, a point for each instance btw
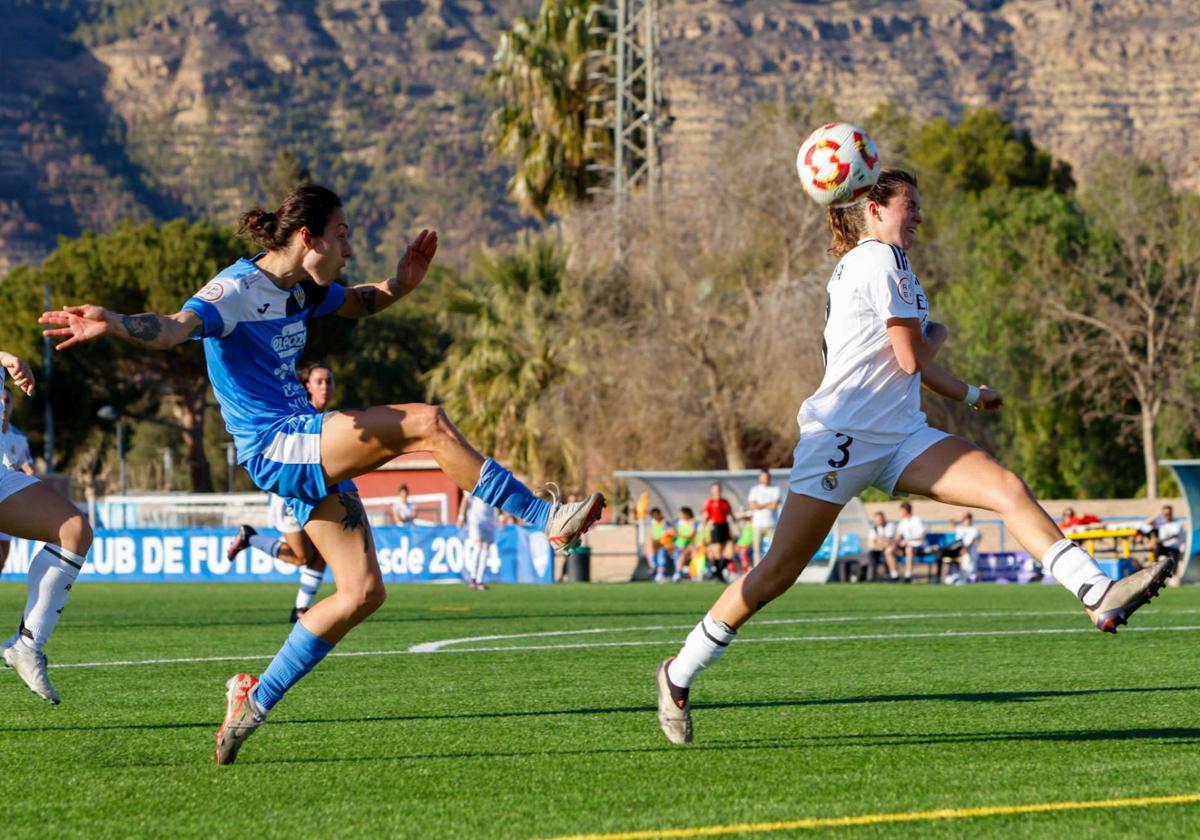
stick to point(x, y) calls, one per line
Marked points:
point(764, 494)
point(969, 535)
point(865, 393)
point(911, 529)
point(14, 449)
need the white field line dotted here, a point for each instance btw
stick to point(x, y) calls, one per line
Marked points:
point(443, 646)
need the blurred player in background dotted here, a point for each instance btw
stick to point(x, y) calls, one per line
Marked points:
point(253, 319)
point(14, 455)
point(293, 546)
point(480, 520)
point(32, 511)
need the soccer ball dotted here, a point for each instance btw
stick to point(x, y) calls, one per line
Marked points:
point(838, 164)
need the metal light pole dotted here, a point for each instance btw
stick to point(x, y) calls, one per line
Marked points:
point(112, 414)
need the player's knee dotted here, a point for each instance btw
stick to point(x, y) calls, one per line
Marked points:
point(75, 535)
point(1011, 493)
point(369, 597)
point(435, 425)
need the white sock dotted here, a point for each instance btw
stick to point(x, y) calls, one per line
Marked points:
point(481, 563)
point(703, 647)
point(310, 582)
point(1075, 569)
point(52, 572)
point(267, 545)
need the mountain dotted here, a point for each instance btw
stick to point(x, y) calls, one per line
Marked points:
point(114, 109)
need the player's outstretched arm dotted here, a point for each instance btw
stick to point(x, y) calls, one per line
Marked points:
point(84, 323)
point(20, 372)
point(939, 380)
point(368, 298)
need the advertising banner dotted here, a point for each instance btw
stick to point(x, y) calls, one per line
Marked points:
point(407, 554)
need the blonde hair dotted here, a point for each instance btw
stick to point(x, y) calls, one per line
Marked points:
point(848, 224)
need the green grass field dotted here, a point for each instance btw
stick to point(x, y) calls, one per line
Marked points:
point(838, 701)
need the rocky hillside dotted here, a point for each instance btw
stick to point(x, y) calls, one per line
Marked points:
point(154, 108)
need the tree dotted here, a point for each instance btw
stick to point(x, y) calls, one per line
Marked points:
point(1131, 299)
point(546, 119)
point(132, 269)
point(286, 173)
point(512, 352)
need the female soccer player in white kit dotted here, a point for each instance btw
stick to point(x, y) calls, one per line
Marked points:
point(32, 511)
point(253, 318)
point(864, 427)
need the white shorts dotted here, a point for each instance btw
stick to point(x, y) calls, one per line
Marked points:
point(280, 515)
point(14, 481)
point(484, 531)
point(835, 467)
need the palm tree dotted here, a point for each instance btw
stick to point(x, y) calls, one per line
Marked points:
point(511, 353)
point(542, 76)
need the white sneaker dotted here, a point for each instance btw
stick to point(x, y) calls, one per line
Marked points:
point(30, 666)
point(242, 717)
point(568, 522)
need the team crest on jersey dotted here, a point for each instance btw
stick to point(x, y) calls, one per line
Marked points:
point(212, 293)
point(904, 288)
point(829, 481)
point(298, 294)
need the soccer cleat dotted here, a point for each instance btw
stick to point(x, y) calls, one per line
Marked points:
point(30, 666)
point(242, 717)
point(675, 719)
point(241, 541)
point(296, 613)
point(569, 521)
point(1123, 597)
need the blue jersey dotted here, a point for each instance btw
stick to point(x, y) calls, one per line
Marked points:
point(253, 333)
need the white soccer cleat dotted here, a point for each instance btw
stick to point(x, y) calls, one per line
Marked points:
point(30, 666)
point(569, 521)
point(675, 719)
point(242, 717)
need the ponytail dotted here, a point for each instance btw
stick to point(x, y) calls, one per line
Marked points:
point(308, 205)
point(848, 224)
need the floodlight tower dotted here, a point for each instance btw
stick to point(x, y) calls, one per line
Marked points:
point(628, 103)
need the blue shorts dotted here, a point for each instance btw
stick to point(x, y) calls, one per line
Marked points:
point(290, 466)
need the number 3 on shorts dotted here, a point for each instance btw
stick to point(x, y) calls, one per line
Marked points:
point(844, 448)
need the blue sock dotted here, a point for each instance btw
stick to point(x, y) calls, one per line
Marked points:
point(299, 655)
point(499, 488)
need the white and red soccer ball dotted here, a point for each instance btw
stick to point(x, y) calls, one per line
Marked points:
point(838, 164)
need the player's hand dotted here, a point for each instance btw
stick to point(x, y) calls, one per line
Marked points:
point(989, 399)
point(77, 323)
point(410, 271)
point(20, 372)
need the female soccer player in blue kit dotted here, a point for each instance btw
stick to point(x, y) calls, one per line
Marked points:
point(253, 319)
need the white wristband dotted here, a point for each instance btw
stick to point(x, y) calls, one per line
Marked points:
point(972, 397)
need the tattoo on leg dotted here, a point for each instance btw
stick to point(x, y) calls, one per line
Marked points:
point(356, 516)
point(142, 327)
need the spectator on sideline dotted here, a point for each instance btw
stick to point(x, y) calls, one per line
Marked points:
point(1166, 535)
point(1070, 522)
point(965, 550)
point(910, 537)
point(662, 538)
point(717, 513)
point(881, 546)
point(686, 536)
point(15, 455)
point(764, 505)
point(403, 511)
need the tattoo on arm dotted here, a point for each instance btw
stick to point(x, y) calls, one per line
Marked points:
point(143, 328)
point(369, 297)
point(356, 517)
